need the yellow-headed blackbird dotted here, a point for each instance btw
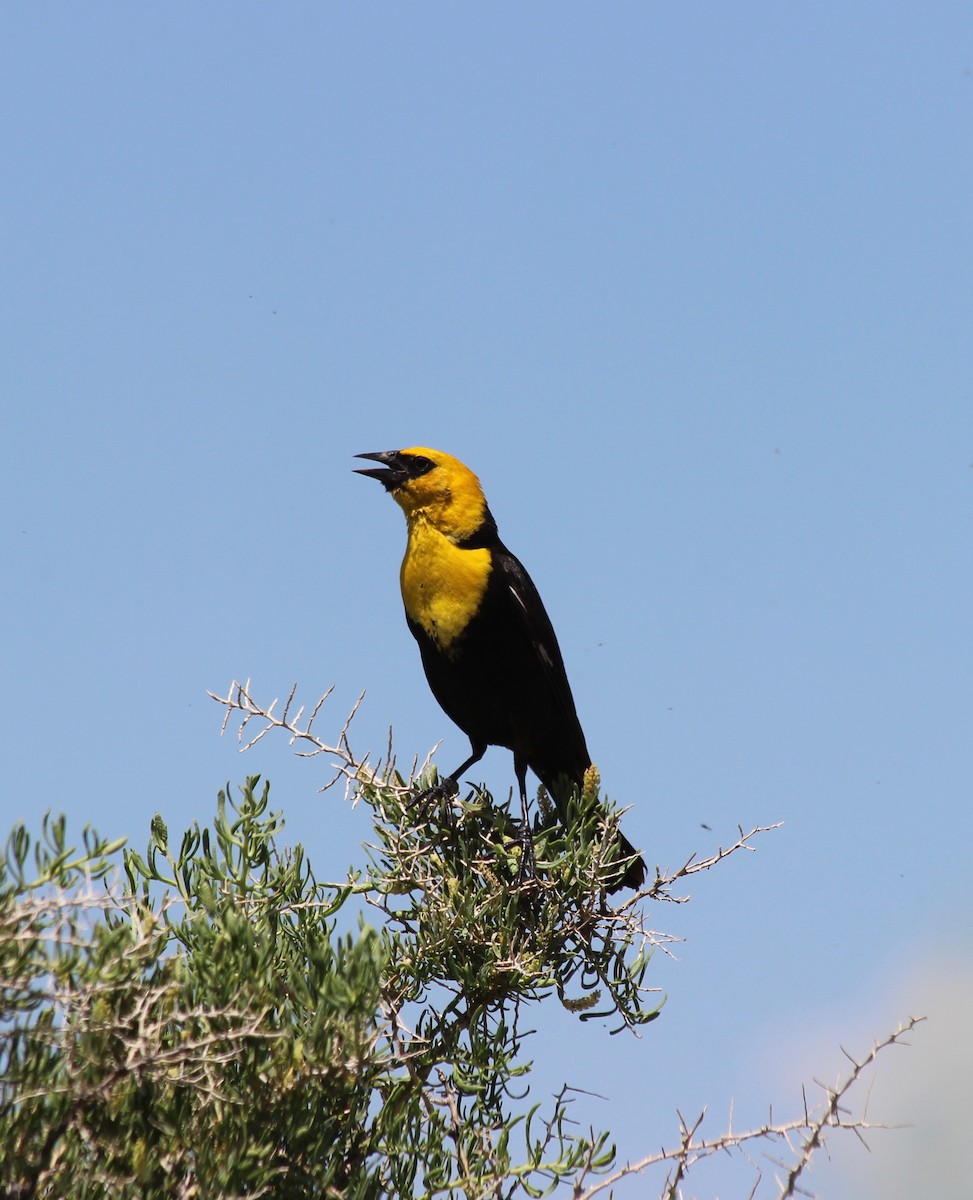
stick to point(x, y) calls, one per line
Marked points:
point(487, 644)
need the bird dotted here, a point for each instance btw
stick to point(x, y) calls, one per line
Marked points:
point(487, 645)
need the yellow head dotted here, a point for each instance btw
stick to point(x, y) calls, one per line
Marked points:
point(433, 487)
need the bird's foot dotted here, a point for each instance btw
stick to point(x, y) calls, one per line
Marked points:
point(527, 871)
point(439, 791)
point(439, 795)
point(445, 789)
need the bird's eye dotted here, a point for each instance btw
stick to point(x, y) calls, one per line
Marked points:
point(419, 465)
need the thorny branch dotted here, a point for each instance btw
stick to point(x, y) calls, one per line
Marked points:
point(355, 771)
point(418, 867)
point(300, 726)
point(831, 1114)
point(659, 888)
point(65, 919)
point(803, 1135)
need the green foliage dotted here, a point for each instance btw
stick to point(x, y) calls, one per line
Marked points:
point(202, 1023)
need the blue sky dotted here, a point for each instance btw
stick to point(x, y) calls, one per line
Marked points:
point(690, 289)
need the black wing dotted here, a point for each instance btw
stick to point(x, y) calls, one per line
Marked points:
point(554, 741)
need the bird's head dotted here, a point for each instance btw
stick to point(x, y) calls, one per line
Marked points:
point(431, 486)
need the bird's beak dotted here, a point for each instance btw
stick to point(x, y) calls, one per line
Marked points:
point(394, 472)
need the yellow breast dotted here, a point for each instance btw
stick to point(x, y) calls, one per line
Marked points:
point(442, 585)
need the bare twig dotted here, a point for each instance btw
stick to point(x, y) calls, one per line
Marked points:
point(831, 1113)
point(256, 721)
point(811, 1128)
point(660, 887)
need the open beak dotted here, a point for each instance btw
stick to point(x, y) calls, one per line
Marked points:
point(392, 475)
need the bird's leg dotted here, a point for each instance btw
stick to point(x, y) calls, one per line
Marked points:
point(528, 868)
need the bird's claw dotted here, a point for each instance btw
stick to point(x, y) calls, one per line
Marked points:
point(445, 790)
point(527, 871)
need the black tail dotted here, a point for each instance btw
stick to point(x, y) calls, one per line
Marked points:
point(634, 875)
point(631, 865)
